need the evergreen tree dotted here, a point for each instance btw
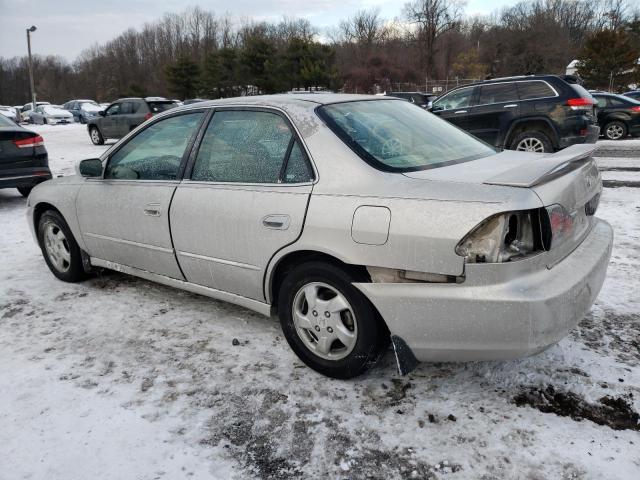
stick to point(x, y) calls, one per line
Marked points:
point(183, 78)
point(609, 59)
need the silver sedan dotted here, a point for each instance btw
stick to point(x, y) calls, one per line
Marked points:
point(361, 221)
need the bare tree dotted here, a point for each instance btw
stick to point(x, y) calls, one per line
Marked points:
point(433, 18)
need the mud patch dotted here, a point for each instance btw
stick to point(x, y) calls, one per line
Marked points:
point(616, 413)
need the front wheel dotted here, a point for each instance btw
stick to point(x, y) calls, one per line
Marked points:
point(329, 323)
point(532, 141)
point(615, 130)
point(96, 136)
point(59, 247)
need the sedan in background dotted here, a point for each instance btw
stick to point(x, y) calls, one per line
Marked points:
point(26, 109)
point(23, 158)
point(359, 220)
point(50, 115)
point(82, 109)
point(618, 115)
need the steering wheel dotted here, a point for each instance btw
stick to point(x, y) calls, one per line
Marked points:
point(392, 147)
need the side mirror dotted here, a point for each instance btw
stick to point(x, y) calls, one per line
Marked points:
point(101, 113)
point(90, 168)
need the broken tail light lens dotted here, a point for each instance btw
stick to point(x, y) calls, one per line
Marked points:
point(561, 225)
point(503, 238)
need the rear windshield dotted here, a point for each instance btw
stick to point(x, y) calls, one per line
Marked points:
point(581, 90)
point(397, 136)
point(6, 122)
point(157, 107)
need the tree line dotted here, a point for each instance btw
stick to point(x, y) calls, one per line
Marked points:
point(431, 43)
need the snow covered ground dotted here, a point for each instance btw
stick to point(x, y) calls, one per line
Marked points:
point(119, 378)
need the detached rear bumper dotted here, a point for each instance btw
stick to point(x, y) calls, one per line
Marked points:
point(501, 310)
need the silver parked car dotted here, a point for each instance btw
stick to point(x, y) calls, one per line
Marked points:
point(358, 220)
point(50, 114)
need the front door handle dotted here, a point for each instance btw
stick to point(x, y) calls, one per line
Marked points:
point(511, 105)
point(276, 222)
point(460, 111)
point(152, 209)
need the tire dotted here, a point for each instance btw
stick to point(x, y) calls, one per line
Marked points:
point(44, 121)
point(354, 319)
point(59, 248)
point(25, 191)
point(615, 130)
point(96, 136)
point(532, 141)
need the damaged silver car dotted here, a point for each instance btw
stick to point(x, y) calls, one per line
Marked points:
point(358, 220)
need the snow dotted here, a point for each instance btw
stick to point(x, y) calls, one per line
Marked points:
point(117, 377)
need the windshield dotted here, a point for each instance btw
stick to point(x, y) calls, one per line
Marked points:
point(397, 136)
point(157, 107)
point(90, 107)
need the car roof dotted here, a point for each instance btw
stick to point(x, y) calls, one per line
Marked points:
point(285, 99)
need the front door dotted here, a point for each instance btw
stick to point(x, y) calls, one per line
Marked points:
point(496, 108)
point(124, 216)
point(245, 199)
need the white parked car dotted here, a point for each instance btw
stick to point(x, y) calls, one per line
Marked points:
point(50, 115)
point(26, 109)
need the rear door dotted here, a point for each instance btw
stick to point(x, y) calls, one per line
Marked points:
point(454, 106)
point(496, 108)
point(245, 199)
point(124, 216)
point(127, 118)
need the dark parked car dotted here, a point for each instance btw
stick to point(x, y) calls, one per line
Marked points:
point(82, 110)
point(618, 115)
point(417, 98)
point(23, 158)
point(538, 113)
point(123, 115)
point(635, 94)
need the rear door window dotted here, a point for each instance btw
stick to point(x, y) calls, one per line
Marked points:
point(497, 93)
point(126, 108)
point(534, 89)
point(157, 107)
point(245, 146)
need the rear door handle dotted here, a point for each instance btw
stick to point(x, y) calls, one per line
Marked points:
point(511, 105)
point(152, 209)
point(276, 222)
point(460, 111)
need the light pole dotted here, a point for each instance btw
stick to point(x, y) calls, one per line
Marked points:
point(30, 30)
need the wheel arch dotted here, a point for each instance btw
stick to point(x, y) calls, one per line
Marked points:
point(282, 265)
point(521, 125)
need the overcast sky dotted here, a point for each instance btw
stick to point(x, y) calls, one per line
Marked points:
point(66, 27)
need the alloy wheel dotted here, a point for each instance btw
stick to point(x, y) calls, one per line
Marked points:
point(57, 247)
point(325, 321)
point(615, 131)
point(95, 135)
point(530, 144)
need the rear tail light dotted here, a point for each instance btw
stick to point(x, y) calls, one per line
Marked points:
point(580, 102)
point(503, 238)
point(635, 109)
point(561, 225)
point(148, 116)
point(36, 141)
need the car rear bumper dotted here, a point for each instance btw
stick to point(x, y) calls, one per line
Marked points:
point(501, 311)
point(23, 177)
point(593, 132)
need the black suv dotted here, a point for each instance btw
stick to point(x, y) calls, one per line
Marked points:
point(618, 115)
point(123, 115)
point(540, 113)
point(418, 98)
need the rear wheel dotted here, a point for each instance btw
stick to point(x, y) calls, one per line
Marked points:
point(329, 323)
point(59, 247)
point(615, 130)
point(532, 141)
point(96, 136)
